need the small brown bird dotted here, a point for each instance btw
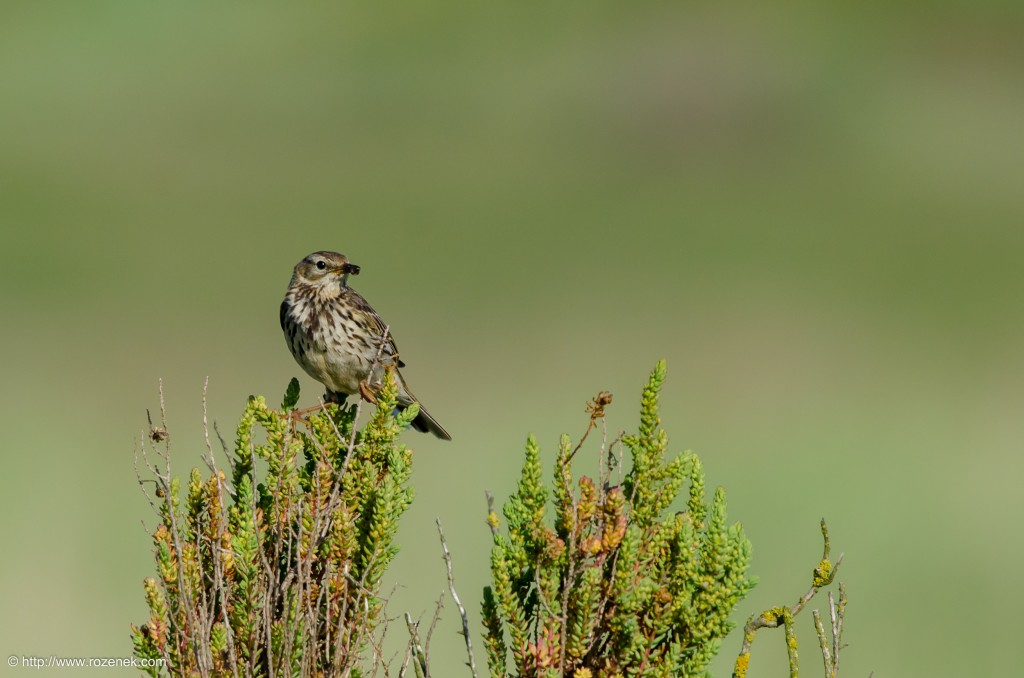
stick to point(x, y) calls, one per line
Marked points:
point(335, 335)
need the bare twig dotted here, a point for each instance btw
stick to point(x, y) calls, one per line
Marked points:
point(216, 549)
point(830, 651)
point(458, 601)
point(824, 575)
point(359, 404)
point(419, 656)
point(823, 643)
point(433, 624)
point(492, 516)
point(203, 660)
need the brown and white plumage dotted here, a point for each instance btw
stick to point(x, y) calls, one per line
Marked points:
point(335, 335)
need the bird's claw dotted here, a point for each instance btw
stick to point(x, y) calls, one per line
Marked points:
point(299, 416)
point(365, 391)
point(296, 418)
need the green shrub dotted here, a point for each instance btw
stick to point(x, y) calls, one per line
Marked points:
point(618, 582)
point(280, 576)
point(273, 566)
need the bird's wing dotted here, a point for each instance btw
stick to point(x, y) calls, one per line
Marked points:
point(284, 314)
point(375, 324)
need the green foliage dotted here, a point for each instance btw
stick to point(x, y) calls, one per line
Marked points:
point(274, 569)
point(616, 584)
point(291, 395)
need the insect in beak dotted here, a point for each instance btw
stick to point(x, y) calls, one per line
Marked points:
point(350, 268)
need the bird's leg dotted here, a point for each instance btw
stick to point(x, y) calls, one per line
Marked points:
point(299, 416)
point(329, 397)
point(365, 391)
point(296, 417)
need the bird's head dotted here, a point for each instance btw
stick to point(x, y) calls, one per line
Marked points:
point(324, 269)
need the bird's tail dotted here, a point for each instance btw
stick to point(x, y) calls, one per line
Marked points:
point(425, 423)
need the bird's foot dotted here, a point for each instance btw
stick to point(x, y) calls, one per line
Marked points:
point(368, 395)
point(297, 417)
point(302, 416)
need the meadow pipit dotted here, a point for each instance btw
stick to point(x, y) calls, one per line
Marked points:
point(338, 338)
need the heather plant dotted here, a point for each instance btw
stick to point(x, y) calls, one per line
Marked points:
point(273, 566)
point(613, 576)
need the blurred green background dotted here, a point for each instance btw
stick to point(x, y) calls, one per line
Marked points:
point(816, 214)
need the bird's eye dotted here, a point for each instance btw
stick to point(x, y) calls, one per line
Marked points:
point(321, 264)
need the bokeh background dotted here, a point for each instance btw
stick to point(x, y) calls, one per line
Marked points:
point(815, 213)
